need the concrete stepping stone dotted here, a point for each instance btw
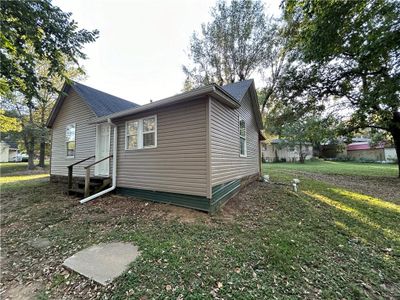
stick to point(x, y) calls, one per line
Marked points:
point(103, 262)
point(39, 243)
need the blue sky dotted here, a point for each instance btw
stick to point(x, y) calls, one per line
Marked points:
point(142, 44)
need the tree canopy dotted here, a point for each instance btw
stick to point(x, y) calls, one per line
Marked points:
point(348, 51)
point(231, 46)
point(40, 45)
point(32, 32)
point(8, 123)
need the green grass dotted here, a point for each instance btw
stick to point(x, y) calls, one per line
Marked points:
point(326, 242)
point(12, 167)
point(18, 179)
point(340, 168)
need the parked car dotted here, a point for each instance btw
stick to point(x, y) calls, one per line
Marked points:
point(21, 157)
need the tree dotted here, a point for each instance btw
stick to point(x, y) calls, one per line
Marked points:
point(34, 33)
point(47, 98)
point(8, 123)
point(347, 51)
point(230, 47)
point(299, 130)
point(275, 64)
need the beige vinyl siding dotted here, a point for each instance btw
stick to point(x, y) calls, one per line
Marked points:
point(73, 110)
point(226, 163)
point(179, 162)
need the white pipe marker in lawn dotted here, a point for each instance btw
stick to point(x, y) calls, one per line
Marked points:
point(114, 173)
point(295, 182)
point(266, 178)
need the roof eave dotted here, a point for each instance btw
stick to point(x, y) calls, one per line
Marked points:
point(256, 106)
point(212, 90)
point(261, 136)
point(57, 105)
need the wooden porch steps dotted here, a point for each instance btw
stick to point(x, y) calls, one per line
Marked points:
point(96, 184)
point(91, 185)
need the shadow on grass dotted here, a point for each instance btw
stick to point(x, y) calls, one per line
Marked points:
point(360, 216)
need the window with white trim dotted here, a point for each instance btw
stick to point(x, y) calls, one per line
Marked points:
point(242, 137)
point(141, 133)
point(70, 139)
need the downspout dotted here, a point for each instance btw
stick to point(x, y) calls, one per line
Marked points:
point(114, 172)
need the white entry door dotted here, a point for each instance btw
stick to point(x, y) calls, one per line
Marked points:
point(102, 150)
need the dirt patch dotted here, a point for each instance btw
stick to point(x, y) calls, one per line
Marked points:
point(386, 188)
point(22, 292)
point(117, 206)
point(249, 202)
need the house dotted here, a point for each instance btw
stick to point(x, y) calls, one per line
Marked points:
point(8, 151)
point(361, 149)
point(333, 150)
point(194, 149)
point(278, 150)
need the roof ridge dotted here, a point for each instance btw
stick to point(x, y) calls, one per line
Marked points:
point(90, 87)
point(100, 102)
point(238, 89)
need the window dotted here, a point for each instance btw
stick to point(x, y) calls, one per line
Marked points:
point(141, 133)
point(242, 136)
point(132, 129)
point(70, 140)
point(149, 132)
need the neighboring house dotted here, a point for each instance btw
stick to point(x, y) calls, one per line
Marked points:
point(390, 154)
point(8, 151)
point(362, 150)
point(333, 150)
point(359, 149)
point(278, 150)
point(193, 149)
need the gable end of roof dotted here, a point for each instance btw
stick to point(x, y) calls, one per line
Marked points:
point(238, 89)
point(99, 102)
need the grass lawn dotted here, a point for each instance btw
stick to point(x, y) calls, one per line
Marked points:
point(329, 241)
point(13, 167)
point(340, 168)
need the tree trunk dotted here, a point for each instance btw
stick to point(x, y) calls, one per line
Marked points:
point(395, 131)
point(31, 153)
point(267, 96)
point(30, 142)
point(301, 158)
point(42, 153)
point(396, 138)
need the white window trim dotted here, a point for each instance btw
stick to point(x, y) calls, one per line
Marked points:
point(243, 137)
point(126, 135)
point(65, 143)
point(140, 133)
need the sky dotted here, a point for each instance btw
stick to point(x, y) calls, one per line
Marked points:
point(142, 44)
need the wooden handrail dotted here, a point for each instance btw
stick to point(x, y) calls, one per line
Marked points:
point(81, 161)
point(99, 161)
point(87, 176)
point(71, 167)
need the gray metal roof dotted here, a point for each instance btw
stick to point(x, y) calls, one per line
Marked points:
point(100, 102)
point(11, 144)
point(238, 89)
